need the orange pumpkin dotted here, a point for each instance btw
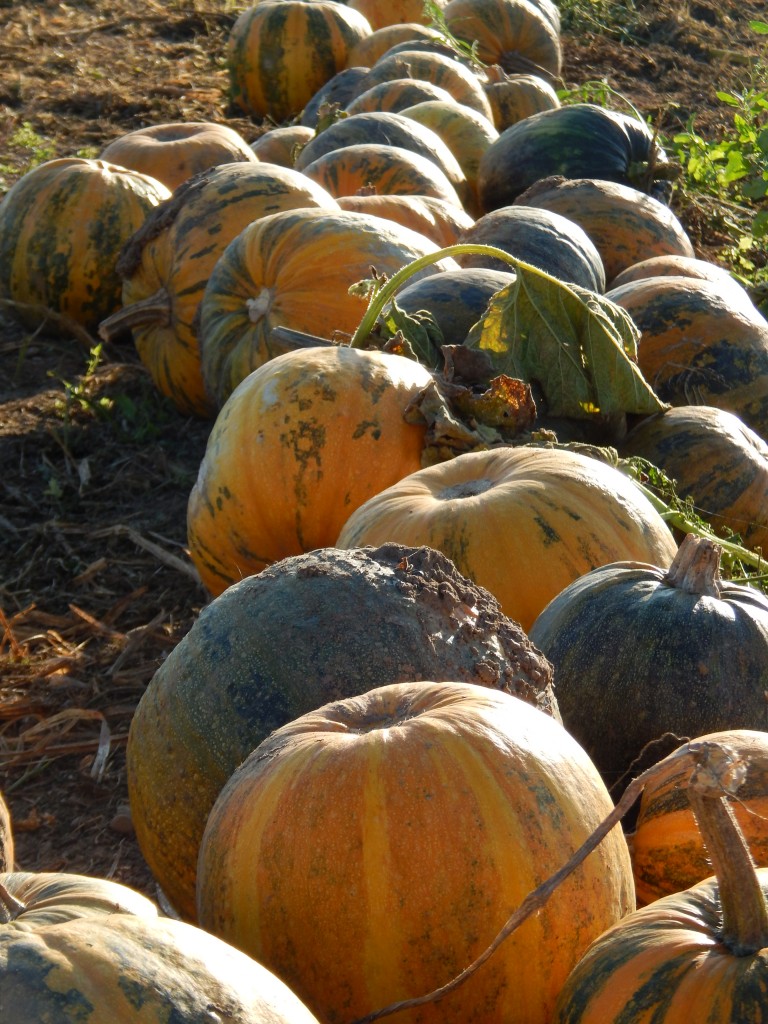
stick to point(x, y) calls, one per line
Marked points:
point(430, 66)
point(668, 853)
point(521, 522)
point(394, 95)
point(295, 270)
point(437, 219)
point(365, 53)
point(62, 227)
point(281, 145)
point(513, 97)
point(369, 851)
point(173, 152)
point(303, 440)
point(516, 35)
point(280, 52)
point(675, 265)
point(394, 12)
point(169, 262)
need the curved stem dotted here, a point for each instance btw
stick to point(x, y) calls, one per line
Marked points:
point(155, 309)
point(10, 907)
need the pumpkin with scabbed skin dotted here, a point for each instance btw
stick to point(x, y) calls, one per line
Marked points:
point(303, 441)
point(697, 661)
point(167, 264)
point(62, 227)
point(309, 629)
point(370, 850)
point(280, 52)
point(89, 950)
point(295, 270)
point(522, 522)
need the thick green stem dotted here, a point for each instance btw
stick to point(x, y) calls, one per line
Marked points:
point(387, 291)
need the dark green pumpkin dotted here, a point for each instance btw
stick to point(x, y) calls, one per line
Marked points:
point(307, 630)
point(639, 652)
point(547, 240)
point(579, 140)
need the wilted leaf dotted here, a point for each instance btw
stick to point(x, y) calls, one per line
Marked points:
point(577, 345)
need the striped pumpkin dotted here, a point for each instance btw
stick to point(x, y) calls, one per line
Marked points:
point(701, 343)
point(521, 522)
point(280, 52)
point(394, 95)
point(517, 35)
point(626, 225)
point(295, 270)
point(387, 169)
point(513, 97)
point(62, 227)
point(436, 219)
point(370, 850)
point(393, 12)
point(368, 50)
point(169, 262)
point(456, 78)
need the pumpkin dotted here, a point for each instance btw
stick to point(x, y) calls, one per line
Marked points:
point(544, 239)
point(368, 851)
point(308, 629)
point(701, 344)
point(395, 95)
point(295, 270)
point(173, 152)
point(280, 52)
point(386, 168)
point(626, 225)
point(85, 949)
point(394, 12)
point(456, 299)
point(668, 853)
point(522, 522)
point(513, 97)
point(675, 265)
point(6, 837)
point(168, 263)
point(716, 460)
point(281, 145)
point(698, 662)
point(368, 50)
point(698, 954)
point(579, 140)
point(333, 96)
point(448, 73)
point(389, 129)
point(466, 132)
point(62, 226)
point(516, 35)
point(436, 219)
point(298, 445)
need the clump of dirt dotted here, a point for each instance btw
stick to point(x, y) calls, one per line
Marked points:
point(96, 587)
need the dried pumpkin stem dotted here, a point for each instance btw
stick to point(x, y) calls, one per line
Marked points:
point(155, 309)
point(742, 902)
point(10, 907)
point(696, 567)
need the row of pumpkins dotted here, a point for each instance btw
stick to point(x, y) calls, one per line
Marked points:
point(402, 709)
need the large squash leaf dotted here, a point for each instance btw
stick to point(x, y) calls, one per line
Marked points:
point(578, 346)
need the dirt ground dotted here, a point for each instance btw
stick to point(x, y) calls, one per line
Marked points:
point(95, 467)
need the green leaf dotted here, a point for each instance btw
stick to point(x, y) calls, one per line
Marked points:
point(577, 345)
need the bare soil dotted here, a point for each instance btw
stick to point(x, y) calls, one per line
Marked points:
point(95, 467)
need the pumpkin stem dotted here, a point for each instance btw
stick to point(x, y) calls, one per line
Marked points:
point(719, 772)
point(10, 907)
point(696, 567)
point(155, 309)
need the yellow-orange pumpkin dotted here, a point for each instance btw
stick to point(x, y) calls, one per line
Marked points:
point(304, 440)
point(369, 851)
point(394, 12)
point(521, 522)
point(516, 35)
point(437, 219)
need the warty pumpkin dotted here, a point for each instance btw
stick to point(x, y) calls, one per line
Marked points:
point(667, 850)
point(697, 661)
point(625, 224)
point(370, 850)
point(716, 460)
point(295, 270)
point(522, 522)
point(697, 955)
point(173, 152)
point(62, 227)
point(168, 262)
point(303, 441)
point(701, 344)
point(311, 628)
point(85, 949)
point(280, 52)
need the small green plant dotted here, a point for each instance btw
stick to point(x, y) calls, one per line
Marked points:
point(616, 18)
point(466, 51)
point(26, 149)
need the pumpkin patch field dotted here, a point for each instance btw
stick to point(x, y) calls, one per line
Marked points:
point(244, 523)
